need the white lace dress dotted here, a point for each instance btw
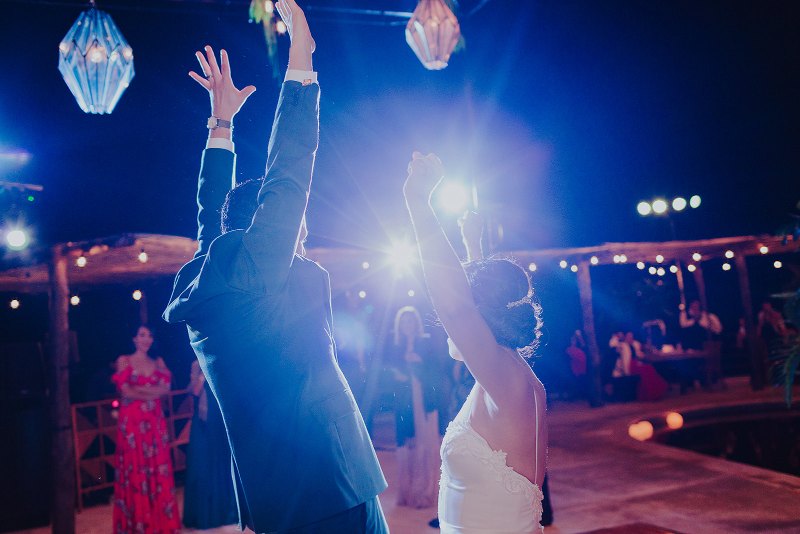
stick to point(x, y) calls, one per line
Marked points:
point(478, 492)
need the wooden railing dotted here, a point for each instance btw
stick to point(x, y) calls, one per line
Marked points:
point(94, 431)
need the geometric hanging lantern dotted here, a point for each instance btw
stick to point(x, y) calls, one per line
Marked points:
point(95, 61)
point(433, 33)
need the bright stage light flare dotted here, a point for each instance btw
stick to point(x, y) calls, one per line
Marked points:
point(17, 239)
point(644, 208)
point(402, 255)
point(659, 206)
point(679, 204)
point(453, 197)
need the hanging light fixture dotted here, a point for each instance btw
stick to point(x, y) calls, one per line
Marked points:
point(433, 33)
point(95, 61)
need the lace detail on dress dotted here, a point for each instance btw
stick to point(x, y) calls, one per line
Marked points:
point(461, 437)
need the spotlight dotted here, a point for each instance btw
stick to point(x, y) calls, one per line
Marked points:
point(764, 249)
point(411, 293)
point(652, 270)
point(691, 268)
point(696, 256)
point(81, 261)
point(137, 295)
point(659, 206)
point(563, 264)
point(402, 255)
point(679, 204)
point(659, 258)
point(365, 265)
point(777, 264)
point(453, 198)
point(640, 265)
point(644, 208)
point(695, 201)
point(14, 304)
point(532, 267)
point(673, 269)
point(726, 266)
point(75, 300)
point(143, 257)
point(17, 239)
point(362, 294)
point(593, 260)
point(574, 268)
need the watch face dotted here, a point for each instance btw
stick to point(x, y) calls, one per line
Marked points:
point(212, 122)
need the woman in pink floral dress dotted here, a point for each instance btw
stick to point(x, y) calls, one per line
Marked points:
point(144, 489)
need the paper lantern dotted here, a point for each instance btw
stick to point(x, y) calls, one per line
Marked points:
point(95, 61)
point(433, 33)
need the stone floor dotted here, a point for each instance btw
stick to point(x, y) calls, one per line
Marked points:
point(602, 480)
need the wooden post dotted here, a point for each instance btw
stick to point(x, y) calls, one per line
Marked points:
point(62, 452)
point(585, 292)
point(759, 368)
point(700, 282)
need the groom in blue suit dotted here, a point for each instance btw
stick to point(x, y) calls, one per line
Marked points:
point(259, 320)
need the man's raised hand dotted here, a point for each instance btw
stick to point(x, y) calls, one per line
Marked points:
point(226, 99)
point(303, 44)
point(424, 175)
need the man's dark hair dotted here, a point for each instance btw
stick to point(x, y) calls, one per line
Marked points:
point(240, 205)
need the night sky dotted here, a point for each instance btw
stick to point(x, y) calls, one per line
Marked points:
point(566, 113)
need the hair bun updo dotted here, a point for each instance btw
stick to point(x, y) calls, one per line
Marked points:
point(499, 288)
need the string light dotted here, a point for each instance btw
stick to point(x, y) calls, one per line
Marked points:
point(362, 294)
point(652, 270)
point(695, 201)
point(14, 304)
point(365, 265)
point(764, 249)
point(616, 258)
point(563, 264)
point(137, 295)
point(696, 256)
point(659, 206)
point(679, 204)
point(777, 264)
point(75, 300)
point(623, 258)
point(411, 293)
point(726, 266)
point(81, 261)
point(659, 259)
point(280, 27)
point(143, 257)
point(660, 271)
point(673, 269)
point(691, 268)
point(640, 265)
point(574, 268)
point(674, 420)
point(593, 260)
point(644, 208)
point(729, 254)
point(532, 267)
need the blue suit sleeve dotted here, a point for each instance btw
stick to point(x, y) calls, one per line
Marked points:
point(217, 168)
point(272, 237)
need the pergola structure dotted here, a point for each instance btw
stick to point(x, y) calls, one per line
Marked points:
point(129, 258)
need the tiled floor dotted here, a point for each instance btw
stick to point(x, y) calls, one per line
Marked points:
point(601, 479)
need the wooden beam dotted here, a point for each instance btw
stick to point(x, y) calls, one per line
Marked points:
point(585, 293)
point(758, 364)
point(62, 447)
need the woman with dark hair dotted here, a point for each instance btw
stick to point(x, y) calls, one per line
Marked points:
point(144, 490)
point(416, 374)
point(494, 451)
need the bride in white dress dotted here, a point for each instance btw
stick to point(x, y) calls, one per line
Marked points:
point(494, 451)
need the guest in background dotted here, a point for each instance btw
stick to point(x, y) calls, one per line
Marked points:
point(144, 490)
point(416, 373)
point(208, 498)
point(771, 326)
point(697, 326)
point(652, 386)
point(624, 351)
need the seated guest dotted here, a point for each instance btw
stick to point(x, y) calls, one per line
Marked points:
point(697, 326)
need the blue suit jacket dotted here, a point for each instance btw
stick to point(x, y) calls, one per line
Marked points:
point(259, 321)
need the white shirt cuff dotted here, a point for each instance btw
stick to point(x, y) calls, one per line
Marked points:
point(220, 142)
point(306, 77)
